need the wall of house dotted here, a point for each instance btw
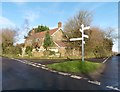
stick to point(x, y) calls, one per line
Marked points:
point(73, 52)
point(57, 36)
point(28, 42)
point(62, 51)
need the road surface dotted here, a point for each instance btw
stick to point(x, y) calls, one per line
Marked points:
point(20, 76)
point(111, 74)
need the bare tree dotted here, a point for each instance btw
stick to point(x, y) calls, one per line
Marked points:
point(72, 26)
point(99, 43)
point(95, 41)
point(8, 36)
point(8, 39)
point(26, 27)
point(111, 33)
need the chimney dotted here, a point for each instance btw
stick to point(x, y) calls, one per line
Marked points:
point(32, 32)
point(59, 24)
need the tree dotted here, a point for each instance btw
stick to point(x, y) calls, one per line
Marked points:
point(8, 39)
point(72, 26)
point(18, 48)
point(26, 28)
point(26, 25)
point(40, 28)
point(8, 36)
point(28, 50)
point(47, 41)
point(110, 37)
point(98, 43)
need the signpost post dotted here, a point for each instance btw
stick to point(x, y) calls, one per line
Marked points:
point(83, 35)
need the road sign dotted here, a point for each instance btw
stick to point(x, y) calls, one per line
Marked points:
point(83, 35)
point(75, 39)
point(86, 28)
point(81, 31)
point(83, 42)
point(86, 36)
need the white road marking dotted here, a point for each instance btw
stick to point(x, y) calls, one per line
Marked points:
point(94, 82)
point(74, 76)
point(36, 63)
point(114, 88)
point(85, 78)
point(63, 73)
point(39, 64)
point(52, 71)
point(29, 63)
point(33, 65)
point(105, 60)
point(46, 68)
point(43, 65)
point(23, 62)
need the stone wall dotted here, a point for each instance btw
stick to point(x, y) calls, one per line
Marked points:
point(62, 51)
point(38, 54)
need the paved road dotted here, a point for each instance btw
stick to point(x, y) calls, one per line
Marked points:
point(111, 75)
point(19, 76)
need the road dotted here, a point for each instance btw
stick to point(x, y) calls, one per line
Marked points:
point(111, 74)
point(20, 76)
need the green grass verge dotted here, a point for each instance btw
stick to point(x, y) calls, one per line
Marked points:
point(75, 67)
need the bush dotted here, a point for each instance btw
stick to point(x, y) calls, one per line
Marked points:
point(17, 50)
point(46, 53)
point(52, 53)
point(29, 50)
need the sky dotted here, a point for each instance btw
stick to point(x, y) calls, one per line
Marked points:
point(105, 14)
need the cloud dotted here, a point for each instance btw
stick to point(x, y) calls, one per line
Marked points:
point(5, 22)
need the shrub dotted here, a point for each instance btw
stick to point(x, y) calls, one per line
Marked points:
point(29, 50)
point(52, 53)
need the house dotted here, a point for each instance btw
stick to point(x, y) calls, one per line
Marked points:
point(37, 39)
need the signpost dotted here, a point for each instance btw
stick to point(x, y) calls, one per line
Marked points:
point(83, 35)
point(75, 39)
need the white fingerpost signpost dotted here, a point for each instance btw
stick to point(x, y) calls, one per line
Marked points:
point(83, 35)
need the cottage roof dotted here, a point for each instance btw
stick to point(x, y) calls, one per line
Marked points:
point(60, 43)
point(42, 34)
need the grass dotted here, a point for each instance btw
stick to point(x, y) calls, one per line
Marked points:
point(75, 67)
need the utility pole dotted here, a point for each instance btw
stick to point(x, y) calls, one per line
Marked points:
point(83, 42)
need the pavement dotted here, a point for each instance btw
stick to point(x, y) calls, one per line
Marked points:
point(23, 76)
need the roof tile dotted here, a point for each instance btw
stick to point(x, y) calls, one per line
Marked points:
point(42, 34)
